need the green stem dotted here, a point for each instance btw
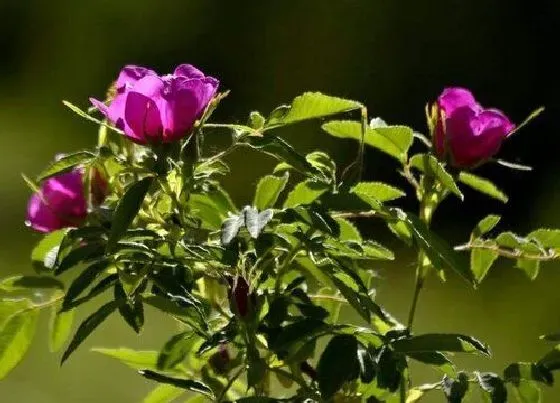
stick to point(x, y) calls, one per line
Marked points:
point(228, 386)
point(364, 122)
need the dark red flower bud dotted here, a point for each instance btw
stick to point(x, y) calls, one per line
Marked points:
point(239, 296)
point(220, 360)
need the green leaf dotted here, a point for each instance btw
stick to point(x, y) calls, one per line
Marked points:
point(456, 389)
point(17, 283)
point(528, 371)
point(131, 309)
point(527, 392)
point(485, 225)
point(483, 186)
point(83, 281)
point(392, 140)
point(132, 358)
point(324, 163)
point(96, 290)
point(529, 266)
point(268, 190)
point(174, 351)
point(127, 209)
point(305, 193)
point(295, 332)
point(438, 251)
point(31, 184)
point(163, 393)
point(431, 166)
point(256, 120)
point(66, 163)
point(548, 238)
point(378, 190)
point(310, 105)
point(16, 334)
point(431, 342)
point(348, 232)
point(493, 386)
point(281, 150)
point(44, 254)
point(481, 261)
point(88, 326)
point(338, 364)
point(437, 359)
point(85, 253)
point(188, 384)
point(87, 116)
point(60, 327)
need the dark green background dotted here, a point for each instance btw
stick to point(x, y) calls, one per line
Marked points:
point(392, 55)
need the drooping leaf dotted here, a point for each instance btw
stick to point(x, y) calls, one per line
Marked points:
point(438, 251)
point(431, 342)
point(310, 105)
point(268, 190)
point(66, 163)
point(60, 327)
point(493, 386)
point(481, 261)
point(529, 266)
point(84, 280)
point(378, 191)
point(305, 193)
point(188, 384)
point(88, 326)
point(392, 140)
point(338, 364)
point(127, 209)
point(131, 309)
point(551, 360)
point(431, 166)
point(483, 186)
point(323, 163)
point(16, 333)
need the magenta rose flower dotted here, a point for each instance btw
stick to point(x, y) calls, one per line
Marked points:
point(466, 132)
point(153, 109)
point(61, 202)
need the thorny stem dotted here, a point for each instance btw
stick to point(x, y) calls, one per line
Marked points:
point(511, 254)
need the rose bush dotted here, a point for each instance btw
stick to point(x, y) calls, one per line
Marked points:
point(257, 290)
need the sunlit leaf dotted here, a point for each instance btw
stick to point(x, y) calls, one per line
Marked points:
point(268, 190)
point(66, 163)
point(310, 105)
point(16, 333)
point(483, 186)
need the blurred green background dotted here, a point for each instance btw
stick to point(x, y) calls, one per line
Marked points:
point(392, 55)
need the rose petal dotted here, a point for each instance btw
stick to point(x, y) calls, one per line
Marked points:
point(143, 117)
point(456, 97)
point(40, 217)
point(188, 71)
point(130, 74)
